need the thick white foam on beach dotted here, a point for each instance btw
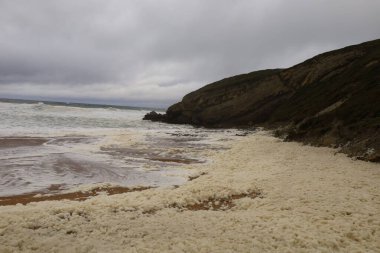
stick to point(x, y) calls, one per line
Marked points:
point(312, 200)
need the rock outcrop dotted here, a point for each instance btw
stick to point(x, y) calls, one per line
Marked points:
point(154, 116)
point(332, 99)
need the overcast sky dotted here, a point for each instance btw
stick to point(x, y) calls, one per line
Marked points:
point(153, 52)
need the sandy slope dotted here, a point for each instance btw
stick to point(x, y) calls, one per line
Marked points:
point(311, 201)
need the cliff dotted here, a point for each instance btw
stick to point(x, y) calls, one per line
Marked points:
point(332, 99)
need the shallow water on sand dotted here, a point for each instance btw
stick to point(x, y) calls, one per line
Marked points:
point(48, 149)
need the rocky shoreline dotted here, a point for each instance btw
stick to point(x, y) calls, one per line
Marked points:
point(329, 100)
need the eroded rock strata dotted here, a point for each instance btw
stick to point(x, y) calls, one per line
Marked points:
point(332, 99)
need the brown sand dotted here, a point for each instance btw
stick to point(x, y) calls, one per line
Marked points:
point(77, 196)
point(14, 142)
point(219, 204)
point(174, 160)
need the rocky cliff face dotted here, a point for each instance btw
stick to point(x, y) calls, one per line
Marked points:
point(332, 99)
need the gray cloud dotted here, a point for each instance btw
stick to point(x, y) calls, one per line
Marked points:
point(138, 51)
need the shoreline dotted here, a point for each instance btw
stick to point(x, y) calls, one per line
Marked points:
point(38, 165)
point(308, 199)
point(72, 196)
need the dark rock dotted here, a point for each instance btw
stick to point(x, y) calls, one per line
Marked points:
point(332, 99)
point(154, 116)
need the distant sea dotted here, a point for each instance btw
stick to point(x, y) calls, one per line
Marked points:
point(41, 117)
point(49, 147)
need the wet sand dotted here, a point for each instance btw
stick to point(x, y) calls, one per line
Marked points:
point(14, 142)
point(32, 164)
point(74, 196)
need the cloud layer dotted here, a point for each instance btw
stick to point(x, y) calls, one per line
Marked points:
point(145, 52)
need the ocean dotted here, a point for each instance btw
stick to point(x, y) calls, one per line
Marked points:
point(49, 147)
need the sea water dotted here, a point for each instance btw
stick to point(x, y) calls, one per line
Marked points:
point(51, 147)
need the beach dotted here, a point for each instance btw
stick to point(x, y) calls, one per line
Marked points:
point(189, 126)
point(260, 195)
